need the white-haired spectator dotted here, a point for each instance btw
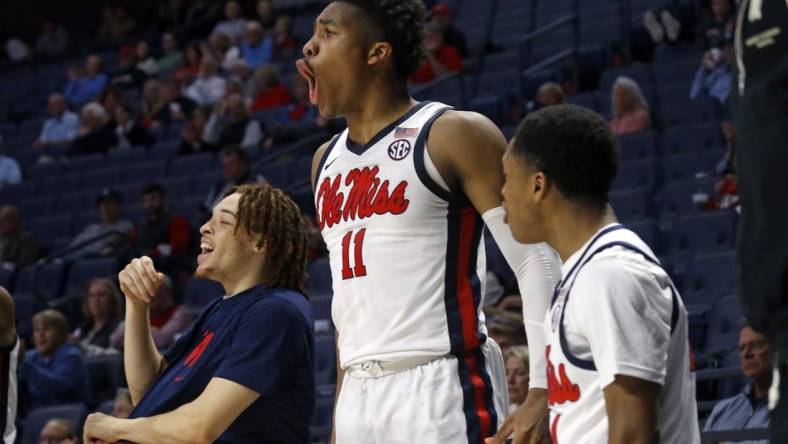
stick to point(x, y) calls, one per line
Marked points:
point(630, 109)
point(233, 24)
point(209, 87)
point(61, 127)
point(517, 361)
point(257, 49)
point(96, 135)
point(10, 173)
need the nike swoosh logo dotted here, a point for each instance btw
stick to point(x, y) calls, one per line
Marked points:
point(330, 163)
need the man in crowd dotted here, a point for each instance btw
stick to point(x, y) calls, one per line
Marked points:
point(58, 431)
point(442, 16)
point(113, 229)
point(17, 246)
point(10, 173)
point(61, 127)
point(81, 88)
point(715, 74)
point(96, 132)
point(257, 48)
point(235, 168)
point(231, 125)
point(209, 88)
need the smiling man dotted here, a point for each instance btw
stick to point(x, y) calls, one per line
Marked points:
point(243, 372)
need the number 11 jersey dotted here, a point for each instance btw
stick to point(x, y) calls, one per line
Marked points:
point(407, 261)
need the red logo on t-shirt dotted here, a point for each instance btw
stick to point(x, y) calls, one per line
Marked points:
point(560, 389)
point(194, 356)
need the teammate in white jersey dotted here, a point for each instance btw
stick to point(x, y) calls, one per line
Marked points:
point(617, 346)
point(9, 358)
point(399, 196)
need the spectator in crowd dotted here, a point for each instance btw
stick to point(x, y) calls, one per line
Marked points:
point(220, 47)
point(233, 24)
point(145, 60)
point(17, 246)
point(548, 94)
point(301, 109)
point(231, 125)
point(715, 74)
point(201, 16)
point(441, 58)
point(271, 93)
point(117, 24)
point(110, 99)
point(16, 50)
point(63, 125)
point(749, 409)
point(123, 406)
point(265, 14)
point(285, 42)
point(507, 329)
point(53, 40)
point(630, 109)
point(172, 57)
point(517, 363)
point(128, 75)
point(110, 211)
point(167, 319)
point(443, 18)
point(152, 103)
point(82, 88)
point(58, 431)
point(193, 134)
point(209, 87)
point(662, 25)
point(96, 133)
point(53, 372)
point(190, 69)
point(162, 234)
point(130, 131)
point(235, 168)
point(177, 106)
point(719, 24)
point(257, 49)
point(102, 310)
point(10, 173)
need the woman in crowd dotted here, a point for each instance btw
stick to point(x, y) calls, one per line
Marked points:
point(630, 109)
point(517, 359)
point(190, 69)
point(102, 312)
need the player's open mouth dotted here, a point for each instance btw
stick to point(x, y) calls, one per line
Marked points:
point(205, 249)
point(308, 73)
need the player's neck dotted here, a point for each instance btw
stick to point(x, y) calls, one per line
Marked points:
point(574, 225)
point(377, 109)
point(243, 279)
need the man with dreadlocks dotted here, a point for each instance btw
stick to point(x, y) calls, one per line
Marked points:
point(400, 196)
point(243, 372)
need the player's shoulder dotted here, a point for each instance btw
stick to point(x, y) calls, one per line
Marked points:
point(281, 306)
point(319, 154)
point(458, 125)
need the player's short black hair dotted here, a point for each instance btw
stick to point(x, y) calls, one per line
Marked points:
point(152, 188)
point(574, 148)
point(401, 24)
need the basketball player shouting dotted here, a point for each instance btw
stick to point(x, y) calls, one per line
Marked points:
point(9, 358)
point(243, 372)
point(399, 196)
point(617, 347)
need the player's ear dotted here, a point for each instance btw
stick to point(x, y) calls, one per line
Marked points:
point(258, 246)
point(378, 52)
point(539, 184)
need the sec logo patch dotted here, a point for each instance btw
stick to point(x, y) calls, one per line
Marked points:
point(399, 149)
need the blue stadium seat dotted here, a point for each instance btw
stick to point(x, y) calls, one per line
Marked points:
point(319, 277)
point(630, 205)
point(691, 138)
point(725, 317)
point(321, 307)
point(648, 231)
point(177, 187)
point(189, 208)
point(676, 199)
point(38, 418)
point(104, 376)
point(145, 172)
point(70, 202)
point(85, 218)
point(708, 277)
point(640, 145)
point(703, 233)
point(489, 106)
point(164, 150)
point(101, 178)
point(36, 207)
point(51, 228)
point(58, 183)
point(82, 271)
point(696, 112)
point(636, 174)
point(126, 157)
point(106, 407)
point(25, 306)
point(587, 100)
point(686, 166)
point(7, 275)
point(325, 360)
point(188, 165)
point(199, 292)
point(85, 163)
point(278, 173)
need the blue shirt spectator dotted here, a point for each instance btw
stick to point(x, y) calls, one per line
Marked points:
point(10, 173)
point(83, 88)
point(259, 338)
point(256, 49)
point(714, 77)
point(233, 25)
point(62, 127)
point(53, 373)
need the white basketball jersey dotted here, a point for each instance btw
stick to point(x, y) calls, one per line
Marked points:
point(575, 387)
point(9, 357)
point(406, 258)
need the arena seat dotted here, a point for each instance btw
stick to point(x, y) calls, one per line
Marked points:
point(325, 360)
point(703, 233)
point(83, 270)
point(37, 419)
point(688, 138)
point(630, 205)
point(49, 280)
point(188, 165)
point(676, 199)
point(648, 231)
point(708, 277)
point(640, 145)
point(319, 277)
point(200, 292)
point(104, 376)
point(686, 166)
point(635, 174)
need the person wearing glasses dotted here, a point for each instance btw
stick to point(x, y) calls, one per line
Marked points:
point(750, 408)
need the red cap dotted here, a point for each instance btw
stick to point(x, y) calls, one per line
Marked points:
point(441, 8)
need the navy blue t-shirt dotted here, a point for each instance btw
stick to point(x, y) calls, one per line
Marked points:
point(260, 338)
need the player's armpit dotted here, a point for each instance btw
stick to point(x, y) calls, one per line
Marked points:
point(321, 151)
point(631, 405)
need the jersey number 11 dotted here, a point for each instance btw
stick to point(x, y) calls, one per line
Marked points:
point(359, 269)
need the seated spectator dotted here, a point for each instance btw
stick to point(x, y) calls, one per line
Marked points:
point(162, 234)
point(61, 127)
point(715, 74)
point(53, 372)
point(172, 57)
point(53, 40)
point(443, 18)
point(10, 173)
point(233, 24)
point(749, 409)
point(301, 109)
point(145, 60)
point(256, 48)
point(102, 310)
point(128, 75)
point(220, 47)
point(442, 59)
point(130, 131)
point(117, 24)
point(58, 431)
point(285, 42)
point(152, 103)
point(193, 134)
point(177, 106)
point(167, 319)
point(17, 246)
point(236, 172)
point(630, 109)
point(96, 133)
point(16, 50)
point(271, 93)
point(231, 125)
point(110, 211)
point(110, 99)
point(265, 14)
point(123, 405)
point(82, 88)
point(507, 329)
point(548, 94)
point(719, 23)
point(209, 87)
point(516, 360)
point(190, 69)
